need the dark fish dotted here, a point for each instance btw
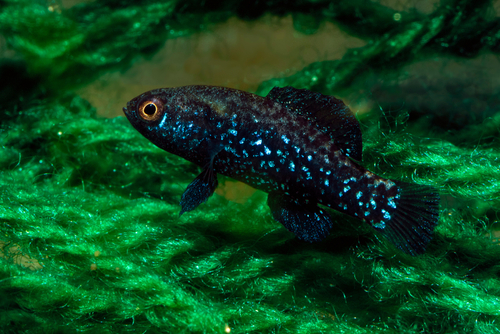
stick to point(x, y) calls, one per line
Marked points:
point(296, 145)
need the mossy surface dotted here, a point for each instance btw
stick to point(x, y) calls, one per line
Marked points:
point(90, 237)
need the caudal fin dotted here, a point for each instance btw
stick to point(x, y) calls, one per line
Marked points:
point(413, 221)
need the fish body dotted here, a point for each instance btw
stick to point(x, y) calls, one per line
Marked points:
point(298, 146)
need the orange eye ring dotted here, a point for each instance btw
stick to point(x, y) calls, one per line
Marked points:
point(150, 109)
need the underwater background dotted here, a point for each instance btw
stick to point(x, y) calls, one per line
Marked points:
point(90, 234)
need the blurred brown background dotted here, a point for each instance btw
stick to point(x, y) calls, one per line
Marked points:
point(242, 54)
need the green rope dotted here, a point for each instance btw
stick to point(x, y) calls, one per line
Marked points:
point(90, 238)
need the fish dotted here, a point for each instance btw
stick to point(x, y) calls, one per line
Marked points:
point(303, 148)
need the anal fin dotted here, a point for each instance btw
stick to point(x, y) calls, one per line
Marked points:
point(307, 221)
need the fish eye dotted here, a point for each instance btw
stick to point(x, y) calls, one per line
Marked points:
point(150, 109)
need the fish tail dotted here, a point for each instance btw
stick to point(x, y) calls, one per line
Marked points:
point(412, 222)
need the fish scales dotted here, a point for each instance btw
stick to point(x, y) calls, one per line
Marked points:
point(296, 145)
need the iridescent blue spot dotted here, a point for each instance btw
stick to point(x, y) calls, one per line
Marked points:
point(346, 189)
point(278, 152)
point(326, 183)
point(242, 141)
point(305, 169)
point(346, 181)
point(359, 194)
point(268, 151)
point(309, 157)
point(292, 166)
point(367, 213)
point(285, 139)
point(328, 172)
point(258, 142)
point(271, 163)
point(233, 132)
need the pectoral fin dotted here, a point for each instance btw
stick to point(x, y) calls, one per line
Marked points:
point(203, 186)
point(198, 191)
point(306, 220)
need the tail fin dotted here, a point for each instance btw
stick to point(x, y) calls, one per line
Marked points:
point(413, 221)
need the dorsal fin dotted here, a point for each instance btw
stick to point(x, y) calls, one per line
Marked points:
point(329, 114)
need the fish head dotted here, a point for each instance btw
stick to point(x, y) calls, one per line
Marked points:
point(169, 118)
